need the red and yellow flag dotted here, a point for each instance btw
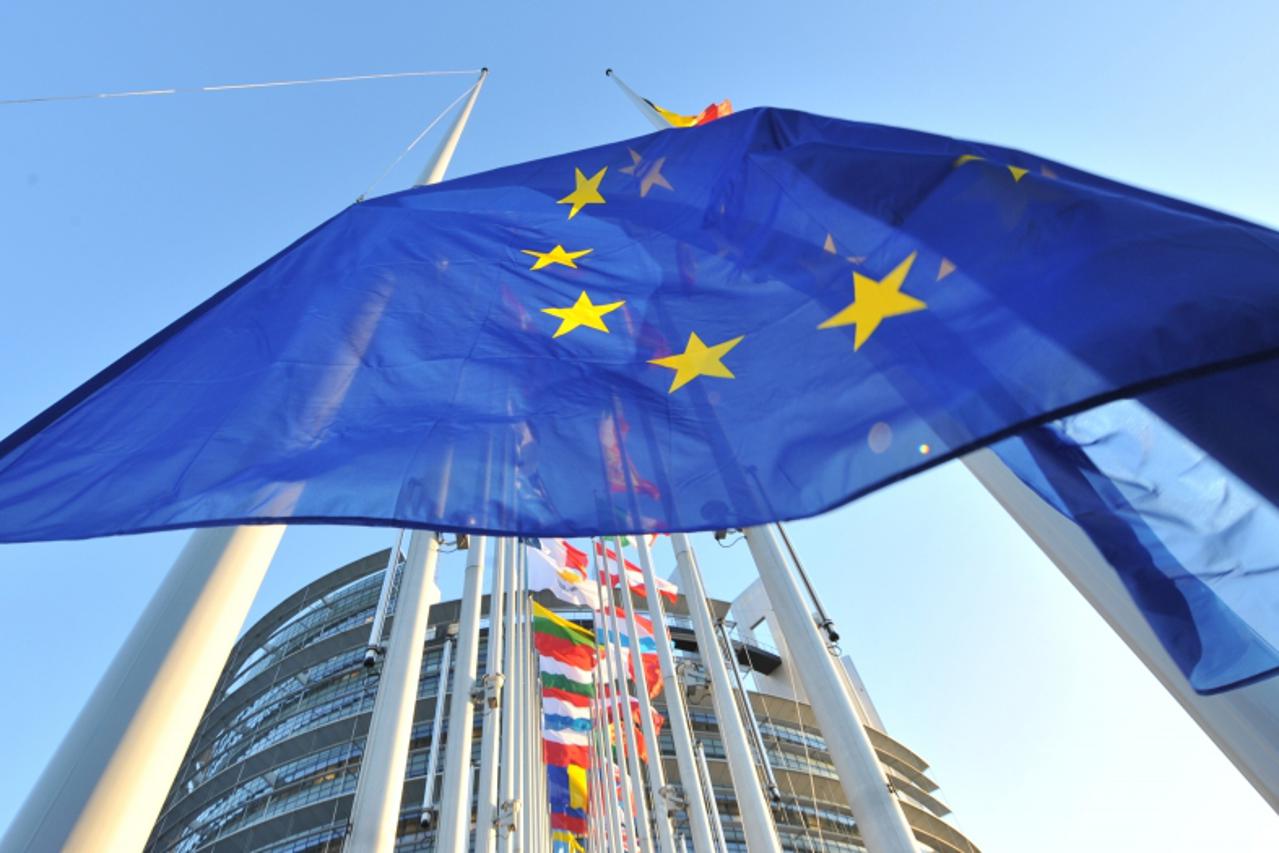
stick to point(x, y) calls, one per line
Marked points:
point(709, 114)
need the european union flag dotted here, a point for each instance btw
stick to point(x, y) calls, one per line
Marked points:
point(757, 319)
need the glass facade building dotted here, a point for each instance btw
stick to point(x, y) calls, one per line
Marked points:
point(274, 763)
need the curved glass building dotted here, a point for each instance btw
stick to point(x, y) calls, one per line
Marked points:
point(274, 763)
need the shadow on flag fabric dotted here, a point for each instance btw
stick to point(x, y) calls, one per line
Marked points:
point(800, 311)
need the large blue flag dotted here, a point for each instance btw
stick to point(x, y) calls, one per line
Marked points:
point(757, 319)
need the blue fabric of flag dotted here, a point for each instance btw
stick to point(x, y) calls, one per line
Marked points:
point(558, 789)
point(559, 722)
point(647, 645)
point(1192, 534)
point(757, 319)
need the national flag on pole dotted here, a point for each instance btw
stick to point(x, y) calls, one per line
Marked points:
point(568, 785)
point(567, 557)
point(635, 720)
point(645, 643)
point(635, 576)
point(562, 641)
point(560, 749)
point(569, 585)
point(567, 656)
point(712, 112)
point(563, 841)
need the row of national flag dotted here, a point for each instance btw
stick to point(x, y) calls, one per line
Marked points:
point(569, 655)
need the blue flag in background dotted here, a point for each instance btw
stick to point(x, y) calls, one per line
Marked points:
point(1163, 487)
point(757, 319)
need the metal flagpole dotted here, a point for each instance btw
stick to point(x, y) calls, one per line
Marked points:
point(106, 784)
point(770, 778)
point(508, 806)
point(757, 816)
point(623, 718)
point(374, 648)
point(607, 768)
point(433, 757)
point(519, 834)
point(642, 105)
point(620, 707)
point(434, 171)
point(656, 778)
point(625, 795)
point(1243, 722)
point(375, 812)
point(455, 808)
point(486, 789)
point(879, 815)
point(714, 804)
point(598, 816)
point(699, 825)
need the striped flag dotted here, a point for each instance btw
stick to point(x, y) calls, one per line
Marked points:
point(567, 656)
point(646, 642)
point(714, 111)
point(562, 641)
point(561, 572)
point(635, 576)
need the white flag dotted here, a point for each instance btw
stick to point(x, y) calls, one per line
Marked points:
point(564, 584)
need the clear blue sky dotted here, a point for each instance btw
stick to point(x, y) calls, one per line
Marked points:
point(115, 217)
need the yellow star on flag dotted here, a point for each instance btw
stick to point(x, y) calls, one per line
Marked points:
point(555, 256)
point(874, 301)
point(696, 360)
point(582, 313)
point(1016, 171)
point(586, 191)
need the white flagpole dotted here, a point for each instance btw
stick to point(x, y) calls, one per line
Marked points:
point(375, 812)
point(439, 164)
point(698, 821)
point(374, 647)
point(765, 764)
point(623, 718)
point(642, 105)
point(609, 776)
point(455, 808)
point(486, 803)
point(376, 807)
point(106, 784)
point(437, 724)
point(756, 814)
point(625, 793)
point(1243, 722)
point(508, 811)
point(713, 803)
point(620, 705)
point(656, 777)
point(879, 815)
point(597, 819)
point(521, 711)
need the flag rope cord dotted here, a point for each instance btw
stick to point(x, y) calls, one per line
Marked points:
point(430, 126)
point(234, 87)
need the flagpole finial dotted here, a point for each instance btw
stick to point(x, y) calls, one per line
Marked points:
point(484, 71)
point(608, 72)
